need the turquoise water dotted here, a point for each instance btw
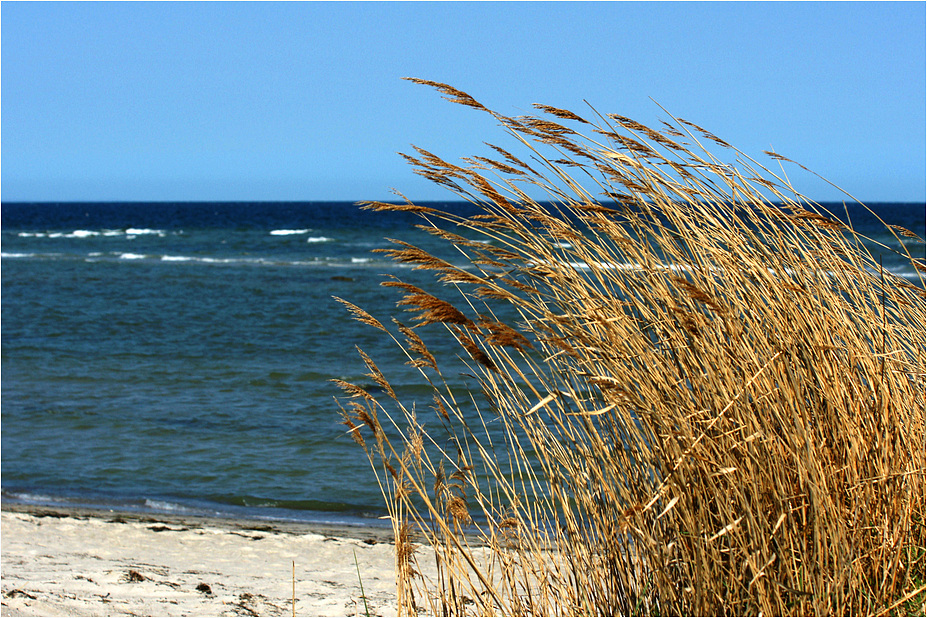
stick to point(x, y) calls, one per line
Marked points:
point(177, 357)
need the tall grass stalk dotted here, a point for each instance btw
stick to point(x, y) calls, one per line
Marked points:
point(695, 390)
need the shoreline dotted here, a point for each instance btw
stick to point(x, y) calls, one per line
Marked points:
point(84, 562)
point(169, 506)
point(358, 531)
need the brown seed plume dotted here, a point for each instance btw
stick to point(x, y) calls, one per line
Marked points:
point(360, 315)
point(475, 352)
point(503, 335)
point(560, 113)
point(453, 94)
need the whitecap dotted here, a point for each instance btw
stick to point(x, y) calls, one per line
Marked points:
point(355, 260)
point(34, 498)
point(605, 266)
point(131, 256)
point(135, 231)
point(319, 239)
point(578, 265)
point(288, 232)
point(176, 258)
point(208, 260)
point(74, 234)
point(161, 505)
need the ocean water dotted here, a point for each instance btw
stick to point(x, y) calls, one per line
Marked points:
point(176, 357)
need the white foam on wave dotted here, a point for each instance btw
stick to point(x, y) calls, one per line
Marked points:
point(355, 260)
point(74, 234)
point(34, 498)
point(605, 266)
point(623, 267)
point(161, 505)
point(209, 260)
point(904, 271)
point(135, 231)
point(131, 256)
point(319, 239)
point(213, 260)
point(288, 232)
point(16, 255)
point(131, 232)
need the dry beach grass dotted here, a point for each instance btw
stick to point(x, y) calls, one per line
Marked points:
point(695, 391)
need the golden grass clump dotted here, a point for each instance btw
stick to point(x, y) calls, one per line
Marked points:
point(695, 390)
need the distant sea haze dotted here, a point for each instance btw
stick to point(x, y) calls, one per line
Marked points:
point(178, 356)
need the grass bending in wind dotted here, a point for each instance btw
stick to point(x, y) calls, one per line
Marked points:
point(695, 391)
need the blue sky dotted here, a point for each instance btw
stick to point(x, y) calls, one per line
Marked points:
point(304, 101)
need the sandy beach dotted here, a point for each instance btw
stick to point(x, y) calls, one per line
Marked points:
point(99, 563)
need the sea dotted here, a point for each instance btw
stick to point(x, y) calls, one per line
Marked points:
point(178, 357)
